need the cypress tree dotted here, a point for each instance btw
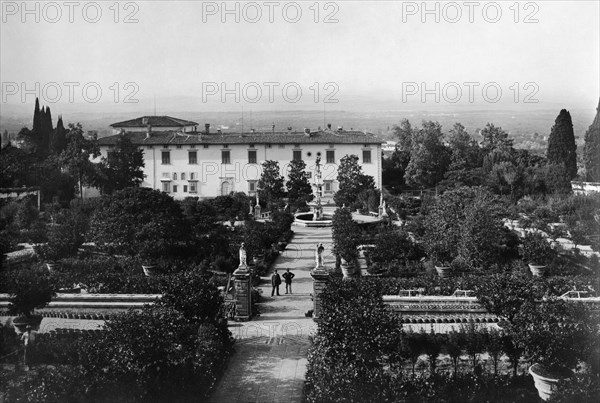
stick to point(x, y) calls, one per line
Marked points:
point(59, 138)
point(37, 120)
point(561, 144)
point(591, 149)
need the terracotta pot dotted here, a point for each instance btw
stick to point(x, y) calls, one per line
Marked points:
point(443, 271)
point(537, 270)
point(349, 269)
point(20, 323)
point(544, 385)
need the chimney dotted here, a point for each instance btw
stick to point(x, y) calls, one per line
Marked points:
point(207, 128)
point(145, 120)
point(340, 128)
point(148, 131)
point(329, 126)
point(307, 132)
point(252, 131)
point(219, 130)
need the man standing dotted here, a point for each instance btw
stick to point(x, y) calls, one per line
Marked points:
point(288, 276)
point(275, 281)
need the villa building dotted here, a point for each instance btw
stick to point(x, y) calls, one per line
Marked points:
point(164, 123)
point(208, 164)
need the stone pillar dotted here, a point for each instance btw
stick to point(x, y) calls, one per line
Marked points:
point(257, 212)
point(243, 288)
point(320, 277)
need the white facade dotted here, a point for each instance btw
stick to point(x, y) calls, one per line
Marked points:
point(207, 167)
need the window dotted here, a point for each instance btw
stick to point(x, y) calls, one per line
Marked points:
point(183, 176)
point(174, 176)
point(281, 145)
point(225, 188)
point(205, 145)
point(193, 188)
point(166, 187)
point(192, 146)
point(328, 186)
point(297, 155)
point(225, 157)
point(192, 176)
point(330, 156)
point(185, 187)
point(174, 188)
point(252, 156)
point(193, 157)
point(166, 157)
point(366, 156)
point(166, 175)
point(178, 146)
point(251, 187)
point(149, 147)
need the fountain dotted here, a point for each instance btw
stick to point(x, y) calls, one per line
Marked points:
point(316, 218)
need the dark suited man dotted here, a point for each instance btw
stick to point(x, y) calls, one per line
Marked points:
point(275, 281)
point(288, 276)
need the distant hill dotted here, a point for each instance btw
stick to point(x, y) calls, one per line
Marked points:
point(522, 125)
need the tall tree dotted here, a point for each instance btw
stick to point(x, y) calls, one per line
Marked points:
point(495, 138)
point(561, 144)
point(352, 181)
point(123, 167)
point(404, 132)
point(270, 184)
point(429, 157)
point(591, 149)
point(298, 187)
point(76, 157)
point(59, 138)
point(37, 119)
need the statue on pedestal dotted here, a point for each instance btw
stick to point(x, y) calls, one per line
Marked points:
point(319, 255)
point(243, 262)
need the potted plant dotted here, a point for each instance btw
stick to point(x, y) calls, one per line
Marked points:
point(555, 335)
point(29, 289)
point(441, 254)
point(61, 244)
point(537, 252)
point(346, 238)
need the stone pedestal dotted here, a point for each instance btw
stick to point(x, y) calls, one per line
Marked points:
point(257, 212)
point(243, 288)
point(320, 277)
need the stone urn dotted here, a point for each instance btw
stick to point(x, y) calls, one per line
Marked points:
point(537, 270)
point(443, 271)
point(545, 385)
point(21, 323)
point(349, 269)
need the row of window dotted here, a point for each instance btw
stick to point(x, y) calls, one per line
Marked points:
point(252, 158)
point(192, 187)
point(192, 176)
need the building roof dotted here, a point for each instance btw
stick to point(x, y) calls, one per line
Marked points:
point(287, 137)
point(154, 121)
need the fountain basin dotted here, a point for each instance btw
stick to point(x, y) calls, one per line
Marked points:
point(306, 220)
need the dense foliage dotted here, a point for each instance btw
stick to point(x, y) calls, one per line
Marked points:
point(139, 221)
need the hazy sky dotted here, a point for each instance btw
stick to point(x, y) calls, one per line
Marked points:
point(376, 49)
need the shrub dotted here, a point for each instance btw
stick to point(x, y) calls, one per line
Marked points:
point(554, 333)
point(29, 289)
point(536, 249)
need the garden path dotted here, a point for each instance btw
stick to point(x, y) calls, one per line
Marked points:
point(269, 364)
